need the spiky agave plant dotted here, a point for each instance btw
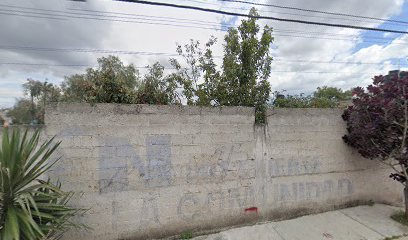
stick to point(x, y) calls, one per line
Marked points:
point(31, 208)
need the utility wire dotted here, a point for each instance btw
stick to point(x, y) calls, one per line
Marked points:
point(71, 65)
point(209, 23)
point(227, 25)
point(275, 34)
point(261, 17)
point(75, 11)
point(128, 14)
point(132, 52)
point(265, 11)
point(383, 21)
point(222, 28)
point(33, 16)
point(43, 64)
point(169, 68)
point(60, 65)
point(315, 11)
point(368, 19)
point(157, 22)
point(85, 50)
point(128, 52)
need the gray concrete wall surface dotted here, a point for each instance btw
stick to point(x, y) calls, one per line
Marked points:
point(149, 171)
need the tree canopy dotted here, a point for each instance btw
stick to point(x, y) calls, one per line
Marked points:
point(241, 80)
point(110, 82)
point(194, 78)
point(246, 65)
point(322, 97)
point(157, 88)
point(31, 110)
point(377, 123)
point(21, 113)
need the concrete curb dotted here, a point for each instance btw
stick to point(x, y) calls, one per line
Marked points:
point(357, 223)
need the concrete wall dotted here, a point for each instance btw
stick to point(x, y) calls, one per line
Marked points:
point(154, 171)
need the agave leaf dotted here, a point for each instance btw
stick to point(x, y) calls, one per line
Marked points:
point(31, 223)
point(11, 228)
point(31, 208)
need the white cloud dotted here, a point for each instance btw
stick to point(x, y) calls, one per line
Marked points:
point(130, 36)
point(312, 48)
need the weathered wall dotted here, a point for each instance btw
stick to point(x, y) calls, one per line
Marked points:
point(152, 171)
point(307, 163)
point(30, 128)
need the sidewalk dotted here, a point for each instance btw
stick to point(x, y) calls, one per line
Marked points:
point(357, 223)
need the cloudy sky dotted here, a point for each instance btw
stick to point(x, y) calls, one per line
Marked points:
point(50, 39)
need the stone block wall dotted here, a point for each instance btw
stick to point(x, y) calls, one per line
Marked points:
point(149, 171)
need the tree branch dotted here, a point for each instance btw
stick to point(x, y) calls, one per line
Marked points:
point(405, 121)
point(399, 124)
point(390, 164)
point(404, 137)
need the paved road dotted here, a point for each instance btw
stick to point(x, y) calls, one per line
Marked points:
point(357, 223)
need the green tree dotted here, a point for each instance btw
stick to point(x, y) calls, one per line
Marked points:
point(21, 112)
point(50, 93)
point(207, 91)
point(33, 88)
point(377, 125)
point(198, 77)
point(246, 67)
point(110, 82)
point(39, 94)
point(331, 93)
point(156, 88)
point(292, 101)
point(329, 97)
point(323, 97)
point(76, 88)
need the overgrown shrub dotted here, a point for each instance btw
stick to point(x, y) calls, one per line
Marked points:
point(31, 208)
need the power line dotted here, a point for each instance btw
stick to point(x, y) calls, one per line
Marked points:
point(65, 65)
point(128, 14)
point(147, 53)
point(315, 11)
point(141, 15)
point(230, 25)
point(129, 52)
point(337, 39)
point(33, 16)
point(116, 18)
point(327, 62)
point(262, 17)
point(318, 72)
point(85, 50)
point(157, 22)
point(209, 23)
point(304, 15)
point(106, 51)
point(44, 64)
point(169, 68)
point(101, 19)
point(267, 11)
point(160, 22)
point(61, 65)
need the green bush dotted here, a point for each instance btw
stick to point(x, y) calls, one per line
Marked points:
point(186, 235)
point(31, 208)
point(400, 217)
